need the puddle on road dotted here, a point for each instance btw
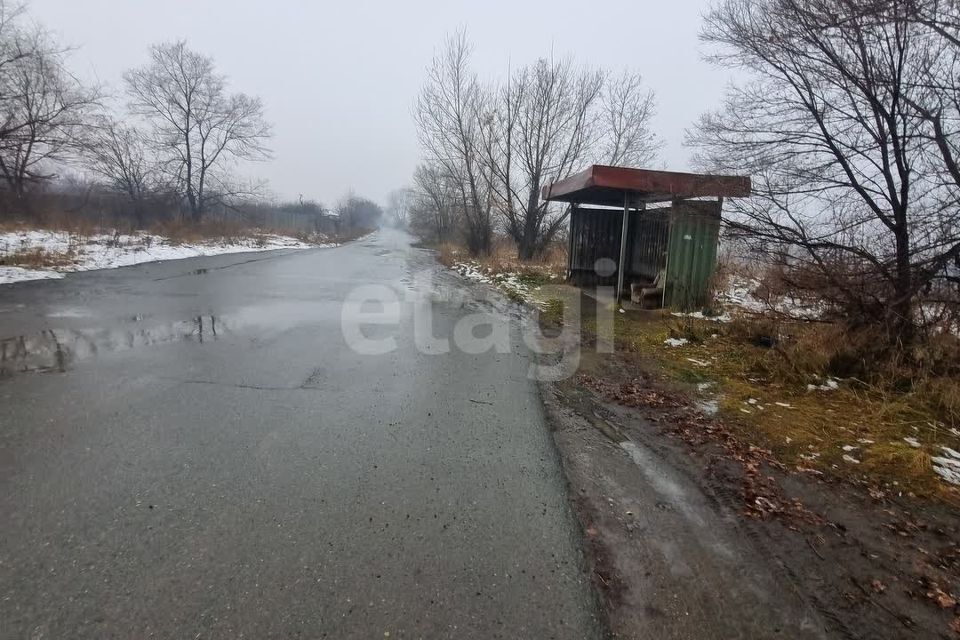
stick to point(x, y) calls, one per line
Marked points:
point(55, 350)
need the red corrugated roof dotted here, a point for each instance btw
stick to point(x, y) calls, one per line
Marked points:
point(605, 185)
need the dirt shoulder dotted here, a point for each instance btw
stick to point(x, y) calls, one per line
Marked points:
point(725, 490)
point(689, 530)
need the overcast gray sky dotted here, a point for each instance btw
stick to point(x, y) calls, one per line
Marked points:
point(339, 79)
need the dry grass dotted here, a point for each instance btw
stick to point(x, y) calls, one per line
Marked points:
point(177, 230)
point(40, 258)
point(74, 226)
point(30, 257)
point(759, 372)
point(180, 231)
point(503, 259)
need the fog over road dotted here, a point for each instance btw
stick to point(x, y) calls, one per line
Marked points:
point(195, 451)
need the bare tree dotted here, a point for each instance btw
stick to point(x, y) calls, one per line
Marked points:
point(449, 120)
point(546, 129)
point(44, 110)
point(119, 154)
point(551, 120)
point(433, 213)
point(357, 213)
point(399, 202)
point(199, 126)
point(849, 126)
point(627, 110)
point(502, 144)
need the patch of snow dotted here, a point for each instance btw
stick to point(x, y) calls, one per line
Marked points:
point(913, 442)
point(947, 467)
point(675, 342)
point(699, 363)
point(949, 474)
point(471, 271)
point(849, 447)
point(952, 453)
point(20, 274)
point(740, 294)
point(699, 315)
point(784, 405)
point(106, 251)
point(830, 384)
point(850, 459)
point(510, 282)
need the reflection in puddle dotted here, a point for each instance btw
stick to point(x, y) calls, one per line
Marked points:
point(69, 312)
point(56, 350)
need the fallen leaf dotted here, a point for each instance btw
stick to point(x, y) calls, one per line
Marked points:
point(943, 599)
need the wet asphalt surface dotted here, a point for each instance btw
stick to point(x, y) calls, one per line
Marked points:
point(191, 449)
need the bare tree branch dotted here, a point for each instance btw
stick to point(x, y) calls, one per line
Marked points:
point(199, 128)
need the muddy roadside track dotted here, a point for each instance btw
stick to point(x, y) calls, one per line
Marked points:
point(689, 531)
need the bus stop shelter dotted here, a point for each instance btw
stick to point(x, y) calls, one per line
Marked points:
point(652, 229)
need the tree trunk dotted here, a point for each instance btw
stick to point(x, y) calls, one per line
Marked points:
point(902, 307)
point(138, 210)
point(196, 208)
point(527, 247)
point(527, 244)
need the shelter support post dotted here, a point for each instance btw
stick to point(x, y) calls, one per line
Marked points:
point(621, 268)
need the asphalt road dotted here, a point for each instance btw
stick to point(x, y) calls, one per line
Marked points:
point(191, 449)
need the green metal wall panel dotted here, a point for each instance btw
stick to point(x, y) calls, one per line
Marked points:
point(691, 254)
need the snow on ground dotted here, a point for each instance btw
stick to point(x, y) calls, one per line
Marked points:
point(19, 274)
point(510, 282)
point(739, 294)
point(73, 252)
point(948, 466)
point(831, 384)
point(473, 271)
point(700, 315)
